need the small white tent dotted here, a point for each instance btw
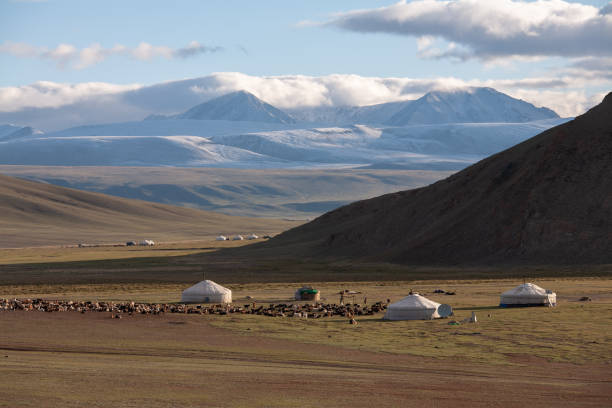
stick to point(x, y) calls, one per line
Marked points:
point(252, 236)
point(222, 238)
point(412, 307)
point(238, 238)
point(207, 292)
point(528, 294)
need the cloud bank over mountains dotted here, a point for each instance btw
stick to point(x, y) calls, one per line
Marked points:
point(69, 56)
point(489, 30)
point(51, 106)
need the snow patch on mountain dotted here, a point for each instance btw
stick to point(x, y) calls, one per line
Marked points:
point(237, 106)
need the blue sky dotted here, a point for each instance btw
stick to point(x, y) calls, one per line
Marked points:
point(268, 31)
point(257, 38)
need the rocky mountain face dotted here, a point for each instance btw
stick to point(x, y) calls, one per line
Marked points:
point(547, 200)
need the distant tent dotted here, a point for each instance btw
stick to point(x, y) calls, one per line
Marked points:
point(307, 293)
point(238, 238)
point(207, 291)
point(528, 294)
point(147, 242)
point(252, 236)
point(412, 307)
point(222, 238)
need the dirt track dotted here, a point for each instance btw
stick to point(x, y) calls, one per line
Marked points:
point(71, 359)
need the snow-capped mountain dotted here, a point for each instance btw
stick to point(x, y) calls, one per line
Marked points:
point(10, 132)
point(475, 105)
point(237, 106)
point(219, 143)
point(343, 115)
point(447, 130)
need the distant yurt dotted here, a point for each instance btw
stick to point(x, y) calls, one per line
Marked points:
point(147, 242)
point(238, 238)
point(307, 293)
point(252, 236)
point(222, 238)
point(412, 307)
point(528, 294)
point(207, 291)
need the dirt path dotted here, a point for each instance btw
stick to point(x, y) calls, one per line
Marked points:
point(70, 359)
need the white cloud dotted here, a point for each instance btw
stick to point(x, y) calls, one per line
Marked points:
point(486, 29)
point(294, 91)
point(65, 55)
point(57, 105)
point(45, 94)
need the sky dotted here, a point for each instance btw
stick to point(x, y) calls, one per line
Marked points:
point(552, 53)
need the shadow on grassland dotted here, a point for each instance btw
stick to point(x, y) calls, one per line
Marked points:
point(239, 266)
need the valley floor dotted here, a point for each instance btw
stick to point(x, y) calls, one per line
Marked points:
point(548, 356)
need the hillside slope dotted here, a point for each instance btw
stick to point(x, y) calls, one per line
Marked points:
point(34, 214)
point(547, 200)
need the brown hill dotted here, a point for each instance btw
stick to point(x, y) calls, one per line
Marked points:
point(547, 200)
point(34, 214)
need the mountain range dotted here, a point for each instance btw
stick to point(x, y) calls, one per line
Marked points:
point(547, 200)
point(441, 130)
point(472, 105)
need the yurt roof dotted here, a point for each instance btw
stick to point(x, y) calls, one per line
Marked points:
point(414, 302)
point(308, 289)
point(207, 286)
point(526, 289)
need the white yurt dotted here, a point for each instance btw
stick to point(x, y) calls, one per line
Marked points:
point(238, 238)
point(222, 238)
point(528, 294)
point(207, 291)
point(252, 236)
point(412, 307)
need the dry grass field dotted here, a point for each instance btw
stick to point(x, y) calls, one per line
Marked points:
point(557, 357)
point(73, 253)
point(551, 356)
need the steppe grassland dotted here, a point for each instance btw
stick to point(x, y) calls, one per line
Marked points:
point(71, 253)
point(574, 331)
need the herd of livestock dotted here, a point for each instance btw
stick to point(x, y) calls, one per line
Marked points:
point(117, 309)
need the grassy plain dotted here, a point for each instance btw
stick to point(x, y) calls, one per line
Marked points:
point(575, 331)
point(185, 262)
point(557, 357)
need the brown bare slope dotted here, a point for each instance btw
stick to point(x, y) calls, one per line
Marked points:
point(547, 200)
point(34, 214)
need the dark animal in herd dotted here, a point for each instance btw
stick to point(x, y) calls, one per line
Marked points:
point(313, 311)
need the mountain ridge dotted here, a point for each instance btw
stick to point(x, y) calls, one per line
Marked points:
point(484, 105)
point(545, 200)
